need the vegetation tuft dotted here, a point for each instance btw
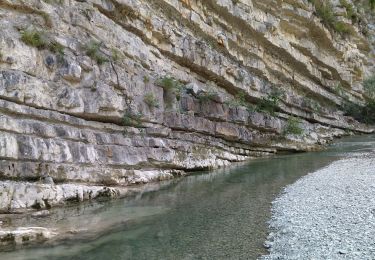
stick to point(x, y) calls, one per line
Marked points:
point(270, 103)
point(240, 101)
point(59, 2)
point(151, 100)
point(372, 4)
point(41, 41)
point(132, 119)
point(115, 54)
point(169, 83)
point(34, 38)
point(146, 79)
point(206, 96)
point(293, 126)
point(172, 88)
point(324, 10)
point(366, 113)
point(369, 86)
point(93, 51)
point(56, 47)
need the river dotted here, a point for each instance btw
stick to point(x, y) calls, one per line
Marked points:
point(221, 214)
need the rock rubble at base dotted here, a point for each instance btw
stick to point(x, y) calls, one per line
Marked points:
point(328, 214)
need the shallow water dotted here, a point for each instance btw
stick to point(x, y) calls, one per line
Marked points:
point(216, 215)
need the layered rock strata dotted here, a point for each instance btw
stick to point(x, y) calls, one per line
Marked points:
point(121, 92)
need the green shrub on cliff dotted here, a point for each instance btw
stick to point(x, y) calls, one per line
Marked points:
point(270, 103)
point(41, 41)
point(146, 79)
point(56, 47)
point(350, 10)
point(324, 11)
point(132, 119)
point(372, 4)
point(366, 113)
point(151, 100)
point(342, 28)
point(93, 51)
point(353, 110)
point(34, 38)
point(369, 86)
point(169, 83)
point(59, 2)
point(172, 88)
point(239, 100)
point(293, 126)
point(206, 96)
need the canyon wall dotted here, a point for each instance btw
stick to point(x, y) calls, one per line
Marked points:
point(102, 94)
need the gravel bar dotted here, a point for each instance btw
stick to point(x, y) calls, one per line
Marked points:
point(328, 214)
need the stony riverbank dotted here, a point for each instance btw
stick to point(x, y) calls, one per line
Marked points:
point(329, 214)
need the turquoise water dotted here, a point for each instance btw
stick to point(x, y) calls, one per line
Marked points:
point(216, 215)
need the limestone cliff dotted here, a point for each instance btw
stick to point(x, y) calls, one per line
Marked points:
point(120, 92)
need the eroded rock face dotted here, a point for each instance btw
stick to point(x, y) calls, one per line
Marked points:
point(191, 80)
